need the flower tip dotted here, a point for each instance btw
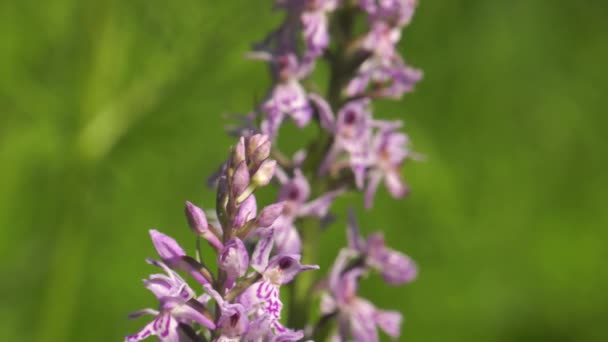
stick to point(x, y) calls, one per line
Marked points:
point(197, 220)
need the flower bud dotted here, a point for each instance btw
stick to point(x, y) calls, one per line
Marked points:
point(240, 179)
point(270, 213)
point(234, 259)
point(238, 152)
point(167, 248)
point(255, 141)
point(261, 153)
point(264, 173)
point(197, 220)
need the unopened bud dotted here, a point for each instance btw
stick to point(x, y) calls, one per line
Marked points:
point(238, 152)
point(197, 220)
point(255, 141)
point(240, 179)
point(264, 173)
point(261, 153)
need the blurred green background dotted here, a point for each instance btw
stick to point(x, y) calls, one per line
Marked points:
point(111, 117)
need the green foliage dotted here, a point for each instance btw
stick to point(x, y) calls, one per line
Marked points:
point(111, 116)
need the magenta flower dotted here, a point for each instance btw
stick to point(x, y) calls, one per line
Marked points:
point(352, 133)
point(263, 296)
point(288, 97)
point(177, 305)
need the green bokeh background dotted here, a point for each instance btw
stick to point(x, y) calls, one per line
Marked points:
point(111, 117)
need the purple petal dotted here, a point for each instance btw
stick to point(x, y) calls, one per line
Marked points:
point(186, 313)
point(240, 179)
point(163, 326)
point(395, 184)
point(258, 329)
point(259, 259)
point(145, 332)
point(362, 323)
point(234, 259)
point(233, 321)
point(287, 239)
point(296, 190)
point(283, 334)
point(389, 322)
point(315, 32)
point(263, 299)
point(396, 267)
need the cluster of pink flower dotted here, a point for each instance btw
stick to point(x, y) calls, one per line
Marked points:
point(257, 253)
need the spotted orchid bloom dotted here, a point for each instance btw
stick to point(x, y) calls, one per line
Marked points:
point(288, 97)
point(352, 133)
point(177, 305)
point(263, 296)
point(358, 319)
point(396, 268)
point(294, 194)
